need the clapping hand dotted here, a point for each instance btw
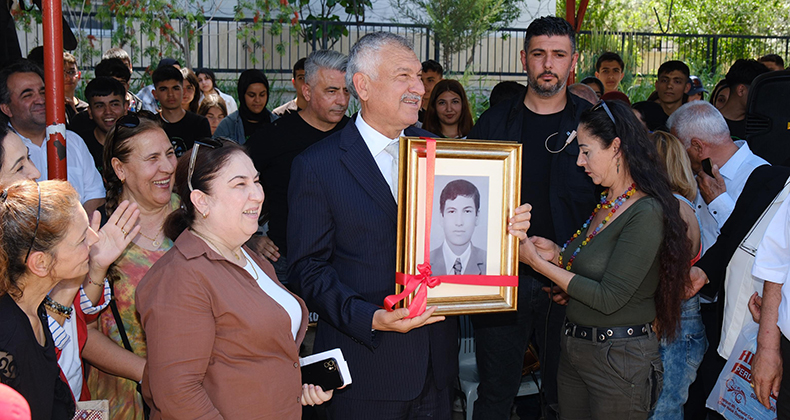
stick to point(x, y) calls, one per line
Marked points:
point(114, 236)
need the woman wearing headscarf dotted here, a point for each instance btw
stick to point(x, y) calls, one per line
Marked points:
point(253, 91)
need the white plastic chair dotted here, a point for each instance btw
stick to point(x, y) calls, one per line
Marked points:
point(467, 368)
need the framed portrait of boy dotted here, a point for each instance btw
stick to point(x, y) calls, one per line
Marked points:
point(460, 213)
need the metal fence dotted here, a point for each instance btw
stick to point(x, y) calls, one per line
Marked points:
point(496, 56)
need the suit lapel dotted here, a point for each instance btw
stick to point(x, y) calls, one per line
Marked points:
point(363, 168)
point(477, 262)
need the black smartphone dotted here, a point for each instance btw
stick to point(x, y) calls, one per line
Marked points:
point(325, 373)
point(707, 167)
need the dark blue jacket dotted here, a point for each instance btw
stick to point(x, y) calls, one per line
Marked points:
point(342, 234)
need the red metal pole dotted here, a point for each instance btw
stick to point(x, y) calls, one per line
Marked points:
point(570, 12)
point(580, 15)
point(55, 96)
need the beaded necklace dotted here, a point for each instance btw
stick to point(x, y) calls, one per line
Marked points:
point(613, 205)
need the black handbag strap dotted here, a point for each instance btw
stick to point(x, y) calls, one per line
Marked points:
point(118, 321)
point(126, 344)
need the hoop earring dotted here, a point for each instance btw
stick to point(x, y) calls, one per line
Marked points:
point(618, 165)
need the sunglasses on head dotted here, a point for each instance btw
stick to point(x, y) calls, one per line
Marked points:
point(132, 120)
point(602, 104)
point(206, 142)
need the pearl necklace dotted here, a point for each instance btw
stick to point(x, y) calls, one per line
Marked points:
point(613, 205)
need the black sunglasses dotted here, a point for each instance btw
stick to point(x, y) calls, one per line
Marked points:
point(132, 120)
point(38, 220)
point(602, 104)
point(207, 142)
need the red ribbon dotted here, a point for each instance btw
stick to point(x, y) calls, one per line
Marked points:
point(424, 279)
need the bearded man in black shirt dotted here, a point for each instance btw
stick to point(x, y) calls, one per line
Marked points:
point(542, 119)
point(273, 150)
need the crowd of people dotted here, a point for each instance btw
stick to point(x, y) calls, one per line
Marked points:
point(172, 272)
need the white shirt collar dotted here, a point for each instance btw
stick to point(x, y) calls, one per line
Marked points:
point(730, 168)
point(450, 257)
point(26, 140)
point(375, 140)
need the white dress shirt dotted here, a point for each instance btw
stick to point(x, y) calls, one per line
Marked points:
point(277, 293)
point(80, 167)
point(377, 142)
point(772, 261)
point(450, 257)
point(735, 173)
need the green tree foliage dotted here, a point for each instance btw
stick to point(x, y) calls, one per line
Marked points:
point(172, 27)
point(458, 25)
point(717, 17)
point(326, 23)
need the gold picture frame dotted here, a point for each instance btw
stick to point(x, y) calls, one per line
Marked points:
point(494, 168)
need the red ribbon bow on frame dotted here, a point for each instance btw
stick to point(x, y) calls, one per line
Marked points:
point(425, 279)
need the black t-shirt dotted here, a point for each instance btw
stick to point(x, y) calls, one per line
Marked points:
point(32, 370)
point(97, 149)
point(536, 169)
point(737, 128)
point(80, 122)
point(190, 128)
point(250, 128)
point(653, 115)
point(273, 150)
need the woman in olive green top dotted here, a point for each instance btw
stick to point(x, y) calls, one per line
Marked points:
point(625, 271)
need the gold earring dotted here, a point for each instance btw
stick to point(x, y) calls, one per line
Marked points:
point(205, 215)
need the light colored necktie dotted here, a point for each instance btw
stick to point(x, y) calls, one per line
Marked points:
point(457, 267)
point(393, 150)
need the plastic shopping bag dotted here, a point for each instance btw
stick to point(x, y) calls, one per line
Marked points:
point(733, 396)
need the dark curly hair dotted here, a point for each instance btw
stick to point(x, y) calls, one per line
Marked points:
point(640, 158)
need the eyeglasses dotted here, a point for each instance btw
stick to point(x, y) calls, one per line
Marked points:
point(132, 120)
point(602, 104)
point(71, 73)
point(205, 141)
point(38, 219)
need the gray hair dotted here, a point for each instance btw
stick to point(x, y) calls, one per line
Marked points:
point(323, 59)
point(364, 55)
point(701, 120)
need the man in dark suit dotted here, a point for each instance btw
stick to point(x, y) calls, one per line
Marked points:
point(342, 246)
point(459, 204)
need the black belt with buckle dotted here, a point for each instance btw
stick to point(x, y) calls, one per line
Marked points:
point(601, 334)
